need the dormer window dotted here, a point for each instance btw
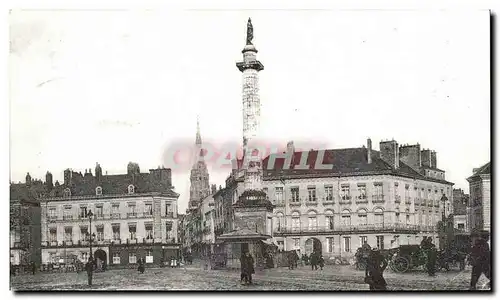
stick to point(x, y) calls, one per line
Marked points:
point(131, 189)
point(98, 191)
point(67, 192)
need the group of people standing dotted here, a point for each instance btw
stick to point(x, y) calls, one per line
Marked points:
point(316, 259)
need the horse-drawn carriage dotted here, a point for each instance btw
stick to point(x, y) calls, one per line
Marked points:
point(408, 257)
point(362, 255)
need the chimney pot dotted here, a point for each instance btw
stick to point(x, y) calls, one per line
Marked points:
point(369, 150)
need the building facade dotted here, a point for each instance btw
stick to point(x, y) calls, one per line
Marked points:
point(134, 216)
point(460, 203)
point(364, 195)
point(479, 210)
point(25, 226)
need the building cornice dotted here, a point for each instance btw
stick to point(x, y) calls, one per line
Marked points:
point(115, 196)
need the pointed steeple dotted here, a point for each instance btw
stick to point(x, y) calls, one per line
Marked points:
point(198, 135)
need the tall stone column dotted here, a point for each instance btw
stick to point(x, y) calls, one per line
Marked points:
point(250, 68)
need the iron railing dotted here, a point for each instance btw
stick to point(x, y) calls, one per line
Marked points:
point(355, 228)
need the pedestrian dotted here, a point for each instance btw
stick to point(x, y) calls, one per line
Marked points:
point(243, 267)
point(480, 257)
point(141, 267)
point(431, 258)
point(89, 267)
point(295, 259)
point(321, 261)
point(313, 260)
point(374, 272)
point(249, 267)
point(33, 267)
point(291, 259)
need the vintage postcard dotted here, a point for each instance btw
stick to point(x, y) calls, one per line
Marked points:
point(250, 150)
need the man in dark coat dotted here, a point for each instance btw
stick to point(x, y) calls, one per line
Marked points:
point(291, 259)
point(247, 267)
point(374, 272)
point(33, 267)
point(141, 267)
point(243, 267)
point(296, 259)
point(431, 257)
point(314, 261)
point(480, 256)
point(321, 261)
point(89, 267)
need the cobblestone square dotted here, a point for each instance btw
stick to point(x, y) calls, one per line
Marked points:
point(332, 278)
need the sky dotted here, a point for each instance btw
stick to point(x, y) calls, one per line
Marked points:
point(119, 86)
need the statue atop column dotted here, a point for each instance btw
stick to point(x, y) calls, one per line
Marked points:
point(249, 32)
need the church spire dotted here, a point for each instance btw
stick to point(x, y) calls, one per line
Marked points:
point(198, 135)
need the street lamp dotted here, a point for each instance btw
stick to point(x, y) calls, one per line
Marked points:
point(444, 225)
point(91, 236)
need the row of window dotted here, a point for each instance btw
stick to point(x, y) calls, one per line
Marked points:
point(84, 232)
point(98, 191)
point(132, 257)
point(345, 192)
point(99, 211)
point(346, 243)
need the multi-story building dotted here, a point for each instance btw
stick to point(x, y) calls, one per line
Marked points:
point(207, 213)
point(387, 198)
point(460, 203)
point(180, 228)
point(134, 216)
point(198, 223)
point(480, 197)
point(25, 221)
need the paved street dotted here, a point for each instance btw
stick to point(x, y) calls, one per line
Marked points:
point(195, 278)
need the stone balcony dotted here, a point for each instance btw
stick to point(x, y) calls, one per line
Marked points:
point(361, 199)
point(345, 200)
point(408, 200)
point(397, 199)
point(311, 203)
point(328, 201)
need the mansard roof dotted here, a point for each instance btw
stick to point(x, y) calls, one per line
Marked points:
point(345, 162)
point(115, 185)
point(483, 170)
point(21, 192)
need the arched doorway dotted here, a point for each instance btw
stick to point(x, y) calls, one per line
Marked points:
point(313, 245)
point(101, 259)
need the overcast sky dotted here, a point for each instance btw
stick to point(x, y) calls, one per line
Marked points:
point(116, 86)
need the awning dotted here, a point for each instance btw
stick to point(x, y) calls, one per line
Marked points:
point(242, 236)
point(268, 242)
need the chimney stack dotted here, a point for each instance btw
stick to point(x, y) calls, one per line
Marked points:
point(98, 172)
point(411, 155)
point(67, 177)
point(28, 179)
point(426, 158)
point(389, 152)
point(290, 148)
point(433, 160)
point(369, 150)
point(48, 181)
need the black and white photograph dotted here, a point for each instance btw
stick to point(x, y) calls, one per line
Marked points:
point(250, 149)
